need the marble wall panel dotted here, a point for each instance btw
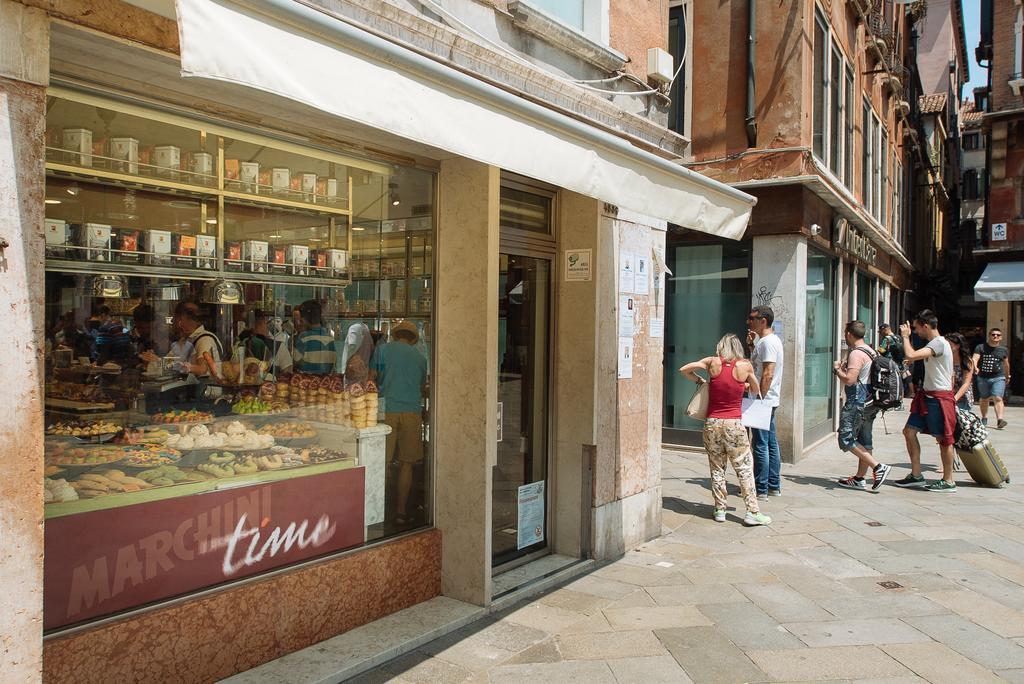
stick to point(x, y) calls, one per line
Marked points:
point(215, 636)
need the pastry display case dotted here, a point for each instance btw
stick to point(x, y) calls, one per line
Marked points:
point(201, 283)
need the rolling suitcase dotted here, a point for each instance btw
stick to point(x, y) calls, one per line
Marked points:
point(984, 465)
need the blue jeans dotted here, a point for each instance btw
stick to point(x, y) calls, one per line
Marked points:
point(767, 458)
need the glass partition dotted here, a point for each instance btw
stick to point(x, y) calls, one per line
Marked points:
point(820, 347)
point(866, 305)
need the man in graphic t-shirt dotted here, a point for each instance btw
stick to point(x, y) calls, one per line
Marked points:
point(933, 410)
point(767, 360)
point(992, 363)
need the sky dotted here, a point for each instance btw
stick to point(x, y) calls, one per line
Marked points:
point(972, 28)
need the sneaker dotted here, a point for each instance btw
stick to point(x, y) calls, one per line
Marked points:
point(984, 421)
point(752, 519)
point(911, 480)
point(1000, 424)
point(762, 497)
point(881, 472)
point(719, 515)
point(774, 492)
point(942, 486)
point(853, 483)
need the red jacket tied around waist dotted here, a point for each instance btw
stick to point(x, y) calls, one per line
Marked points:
point(948, 405)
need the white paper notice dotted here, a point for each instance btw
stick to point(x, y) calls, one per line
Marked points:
point(627, 316)
point(578, 264)
point(657, 327)
point(627, 268)
point(625, 357)
point(531, 515)
point(642, 276)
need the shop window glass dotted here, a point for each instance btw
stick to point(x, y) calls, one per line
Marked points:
point(866, 304)
point(707, 296)
point(821, 312)
point(238, 337)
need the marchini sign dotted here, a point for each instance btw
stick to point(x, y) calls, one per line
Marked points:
point(109, 560)
point(852, 241)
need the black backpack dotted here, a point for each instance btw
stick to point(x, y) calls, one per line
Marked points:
point(896, 349)
point(885, 382)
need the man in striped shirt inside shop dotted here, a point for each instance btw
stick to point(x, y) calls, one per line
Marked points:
point(316, 350)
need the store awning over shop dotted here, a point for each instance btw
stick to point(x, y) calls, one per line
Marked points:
point(299, 53)
point(1001, 282)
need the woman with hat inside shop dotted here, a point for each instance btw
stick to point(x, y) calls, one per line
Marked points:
point(400, 371)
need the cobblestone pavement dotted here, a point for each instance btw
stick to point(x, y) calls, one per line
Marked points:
point(898, 586)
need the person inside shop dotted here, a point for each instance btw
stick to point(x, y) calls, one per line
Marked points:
point(357, 353)
point(401, 372)
point(207, 351)
point(316, 350)
point(69, 334)
point(142, 335)
point(257, 338)
point(112, 345)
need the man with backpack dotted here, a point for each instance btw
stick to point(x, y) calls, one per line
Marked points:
point(858, 413)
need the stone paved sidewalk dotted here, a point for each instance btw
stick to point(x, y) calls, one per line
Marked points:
point(898, 586)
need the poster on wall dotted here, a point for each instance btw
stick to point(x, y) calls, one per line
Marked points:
point(531, 515)
point(657, 327)
point(625, 358)
point(627, 316)
point(642, 275)
point(627, 271)
point(104, 561)
point(578, 265)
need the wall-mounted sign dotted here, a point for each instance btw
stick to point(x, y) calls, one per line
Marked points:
point(578, 265)
point(852, 241)
point(998, 232)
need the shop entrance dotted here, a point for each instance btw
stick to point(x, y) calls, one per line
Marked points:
point(520, 487)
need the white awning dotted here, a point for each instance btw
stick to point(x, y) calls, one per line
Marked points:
point(307, 56)
point(1001, 282)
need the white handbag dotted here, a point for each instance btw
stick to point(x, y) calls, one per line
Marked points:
point(757, 413)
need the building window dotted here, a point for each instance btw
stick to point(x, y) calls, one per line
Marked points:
point(848, 137)
point(567, 11)
point(836, 113)
point(883, 183)
point(973, 141)
point(866, 157)
point(1018, 44)
point(820, 84)
point(876, 169)
point(677, 47)
point(969, 185)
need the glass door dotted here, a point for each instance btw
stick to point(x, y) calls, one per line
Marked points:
point(519, 505)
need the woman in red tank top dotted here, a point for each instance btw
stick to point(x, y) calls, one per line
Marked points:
point(725, 438)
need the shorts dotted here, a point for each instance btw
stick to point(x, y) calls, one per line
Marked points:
point(406, 436)
point(992, 387)
point(931, 424)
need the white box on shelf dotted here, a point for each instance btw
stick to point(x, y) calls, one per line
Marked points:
point(167, 159)
point(95, 238)
point(254, 254)
point(206, 251)
point(78, 142)
point(297, 257)
point(332, 188)
point(126, 151)
point(201, 163)
point(280, 179)
point(249, 174)
point(57, 235)
point(157, 244)
point(337, 262)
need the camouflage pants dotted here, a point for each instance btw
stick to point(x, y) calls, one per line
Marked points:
point(726, 441)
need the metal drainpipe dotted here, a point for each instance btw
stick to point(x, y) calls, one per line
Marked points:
point(751, 124)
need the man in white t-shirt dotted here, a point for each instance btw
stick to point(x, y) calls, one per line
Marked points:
point(767, 358)
point(933, 411)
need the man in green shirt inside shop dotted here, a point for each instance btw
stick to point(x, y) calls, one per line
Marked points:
point(401, 372)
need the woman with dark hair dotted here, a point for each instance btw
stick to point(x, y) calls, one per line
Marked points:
point(963, 371)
